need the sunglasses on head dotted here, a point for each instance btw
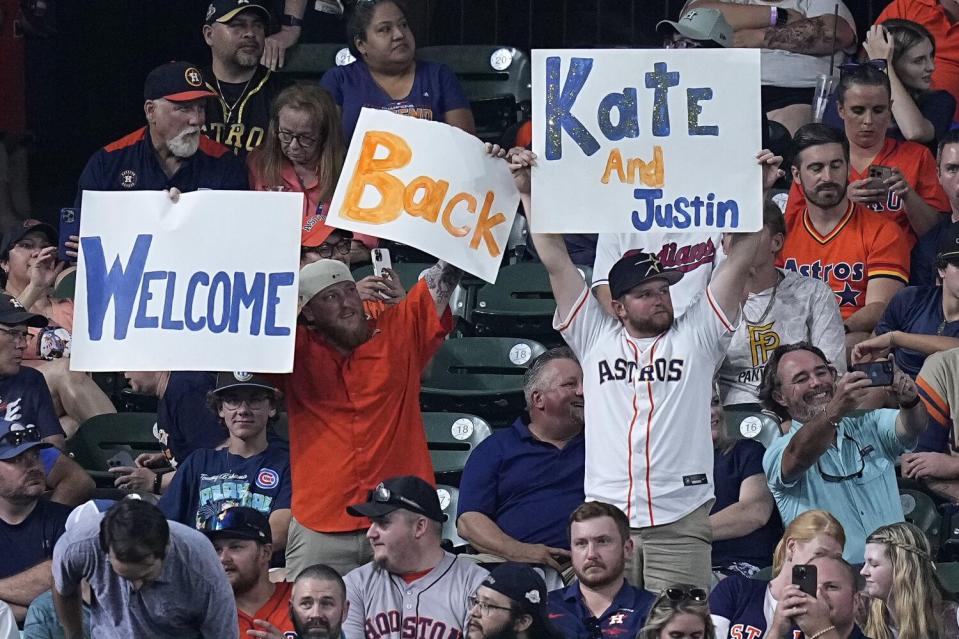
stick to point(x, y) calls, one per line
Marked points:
point(383, 495)
point(677, 595)
point(853, 67)
point(232, 520)
point(19, 434)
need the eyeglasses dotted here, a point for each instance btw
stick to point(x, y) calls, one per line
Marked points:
point(287, 137)
point(19, 434)
point(15, 334)
point(835, 479)
point(685, 594)
point(683, 43)
point(484, 607)
point(343, 247)
point(853, 67)
point(383, 495)
point(233, 520)
point(234, 403)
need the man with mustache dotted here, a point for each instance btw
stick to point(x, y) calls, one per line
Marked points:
point(29, 526)
point(242, 539)
point(601, 603)
point(238, 112)
point(520, 484)
point(511, 604)
point(863, 257)
point(169, 152)
point(353, 401)
point(843, 465)
point(318, 607)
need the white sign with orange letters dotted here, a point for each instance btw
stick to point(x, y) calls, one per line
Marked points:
point(428, 185)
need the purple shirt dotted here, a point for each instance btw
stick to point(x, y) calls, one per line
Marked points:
point(435, 92)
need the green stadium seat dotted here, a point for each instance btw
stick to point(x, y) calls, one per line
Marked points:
point(101, 437)
point(309, 61)
point(761, 427)
point(451, 437)
point(919, 509)
point(449, 498)
point(520, 304)
point(948, 574)
point(65, 287)
point(479, 376)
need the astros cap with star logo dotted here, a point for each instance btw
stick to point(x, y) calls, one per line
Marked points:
point(636, 267)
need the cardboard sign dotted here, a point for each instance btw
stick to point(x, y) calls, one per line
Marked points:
point(208, 283)
point(630, 140)
point(428, 185)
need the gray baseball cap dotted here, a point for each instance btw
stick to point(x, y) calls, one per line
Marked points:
point(700, 24)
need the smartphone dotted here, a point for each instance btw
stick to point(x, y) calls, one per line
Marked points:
point(69, 225)
point(806, 577)
point(121, 458)
point(878, 175)
point(381, 260)
point(880, 373)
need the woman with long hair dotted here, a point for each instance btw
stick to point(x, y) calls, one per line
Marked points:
point(680, 612)
point(906, 598)
point(906, 186)
point(303, 152)
point(740, 601)
point(920, 113)
point(387, 75)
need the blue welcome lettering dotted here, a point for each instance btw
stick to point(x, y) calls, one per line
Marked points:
point(119, 284)
point(272, 299)
point(252, 297)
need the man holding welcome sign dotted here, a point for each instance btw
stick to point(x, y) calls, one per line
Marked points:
point(648, 377)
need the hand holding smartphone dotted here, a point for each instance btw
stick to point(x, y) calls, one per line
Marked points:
point(878, 175)
point(880, 373)
point(69, 227)
point(807, 578)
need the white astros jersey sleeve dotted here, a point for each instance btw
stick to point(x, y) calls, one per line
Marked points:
point(649, 449)
point(384, 606)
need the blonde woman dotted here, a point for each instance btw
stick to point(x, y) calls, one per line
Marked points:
point(906, 597)
point(738, 603)
point(680, 612)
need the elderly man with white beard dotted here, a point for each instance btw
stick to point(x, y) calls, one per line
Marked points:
point(169, 152)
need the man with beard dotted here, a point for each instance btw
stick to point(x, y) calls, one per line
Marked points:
point(170, 152)
point(29, 526)
point(318, 607)
point(843, 465)
point(601, 603)
point(648, 380)
point(244, 544)
point(511, 604)
point(521, 483)
point(353, 401)
point(863, 257)
point(413, 589)
point(238, 112)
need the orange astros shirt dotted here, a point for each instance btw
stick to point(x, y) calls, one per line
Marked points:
point(863, 246)
point(276, 610)
point(917, 166)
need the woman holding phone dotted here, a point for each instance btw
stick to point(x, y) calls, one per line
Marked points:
point(740, 602)
point(906, 599)
point(894, 178)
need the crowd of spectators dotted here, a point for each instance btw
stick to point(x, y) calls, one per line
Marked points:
point(623, 500)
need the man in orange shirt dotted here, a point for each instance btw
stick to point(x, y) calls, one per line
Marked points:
point(861, 255)
point(244, 544)
point(353, 401)
point(941, 18)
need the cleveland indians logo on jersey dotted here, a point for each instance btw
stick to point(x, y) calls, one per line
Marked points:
point(688, 257)
point(659, 370)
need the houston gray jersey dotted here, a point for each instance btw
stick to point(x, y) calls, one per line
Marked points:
point(383, 606)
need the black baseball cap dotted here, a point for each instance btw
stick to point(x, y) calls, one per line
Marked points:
point(239, 522)
point(636, 267)
point(239, 380)
point(18, 232)
point(13, 313)
point(176, 82)
point(408, 492)
point(520, 583)
point(949, 243)
point(225, 10)
point(16, 439)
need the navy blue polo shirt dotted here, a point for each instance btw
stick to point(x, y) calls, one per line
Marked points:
point(917, 310)
point(622, 620)
point(526, 486)
point(131, 164)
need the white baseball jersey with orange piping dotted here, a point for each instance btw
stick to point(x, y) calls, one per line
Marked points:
point(649, 450)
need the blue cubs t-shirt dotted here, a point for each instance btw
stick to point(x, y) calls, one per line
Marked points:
point(730, 469)
point(209, 481)
point(25, 399)
point(32, 540)
point(435, 92)
point(918, 310)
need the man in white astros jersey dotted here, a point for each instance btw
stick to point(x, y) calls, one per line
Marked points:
point(647, 377)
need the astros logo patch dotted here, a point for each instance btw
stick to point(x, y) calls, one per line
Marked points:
point(128, 179)
point(193, 77)
point(242, 376)
point(267, 479)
